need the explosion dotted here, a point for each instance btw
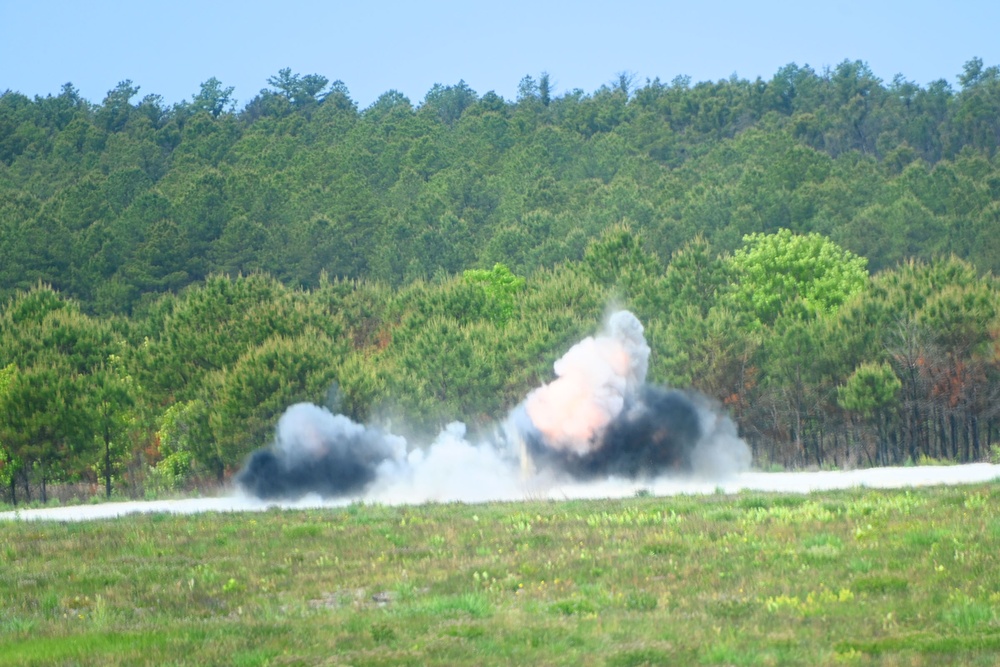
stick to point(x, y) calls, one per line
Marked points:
point(594, 380)
point(597, 419)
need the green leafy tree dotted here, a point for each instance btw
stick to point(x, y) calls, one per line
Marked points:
point(501, 288)
point(116, 109)
point(979, 102)
point(245, 400)
point(787, 289)
point(871, 387)
point(44, 424)
point(112, 397)
point(712, 352)
point(208, 328)
point(784, 270)
point(795, 374)
point(870, 392)
point(46, 419)
point(694, 278)
point(182, 430)
point(618, 260)
point(213, 98)
point(300, 90)
point(449, 102)
point(10, 466)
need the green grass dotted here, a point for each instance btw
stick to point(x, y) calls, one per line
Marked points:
point(839, 578)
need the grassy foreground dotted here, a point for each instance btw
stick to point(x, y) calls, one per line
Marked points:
point(839, 578)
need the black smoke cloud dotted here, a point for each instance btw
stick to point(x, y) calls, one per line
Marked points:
point(317, 452)
point(656, 432)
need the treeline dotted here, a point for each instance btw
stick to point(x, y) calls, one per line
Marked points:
point(819, 363)
point(117, 202)
point(815, 252)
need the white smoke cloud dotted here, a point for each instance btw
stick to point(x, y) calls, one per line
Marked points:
point(306, 432)
point(451, 469)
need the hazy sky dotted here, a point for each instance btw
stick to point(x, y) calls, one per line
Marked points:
point(170, 48)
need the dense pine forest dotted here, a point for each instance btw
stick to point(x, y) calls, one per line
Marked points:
point(816, 252)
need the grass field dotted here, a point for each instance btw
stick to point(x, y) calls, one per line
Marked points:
point(837, 578)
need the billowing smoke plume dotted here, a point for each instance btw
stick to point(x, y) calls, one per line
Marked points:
point(595, 380)
point(597, 419)
point(316, 451)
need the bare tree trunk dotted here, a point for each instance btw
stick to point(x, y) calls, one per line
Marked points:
point(107, 464)
point(953, 427)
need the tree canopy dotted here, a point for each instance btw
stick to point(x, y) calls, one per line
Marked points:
point(112, 202)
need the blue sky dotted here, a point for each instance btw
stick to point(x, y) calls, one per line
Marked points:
point(170, 48)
